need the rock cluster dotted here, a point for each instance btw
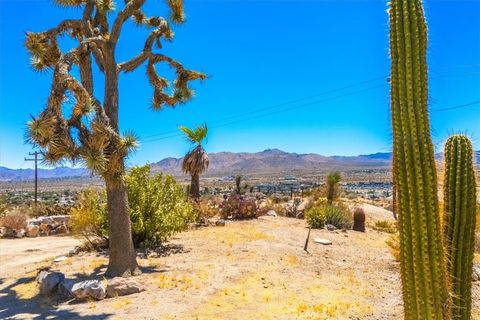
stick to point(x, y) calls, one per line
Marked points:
point(50, 283)
point(41, 226)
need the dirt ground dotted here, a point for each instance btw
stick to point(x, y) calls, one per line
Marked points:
point(20, 256)
point(245, 270)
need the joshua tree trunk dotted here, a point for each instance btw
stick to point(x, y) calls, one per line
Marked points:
point(122, 260)
point(195, 186)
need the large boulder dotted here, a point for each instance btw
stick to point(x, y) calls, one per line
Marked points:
point(48, 281)
point(20, 233)
point(123, 286)
point(32, 231)
point(61, 229)
point(89, 289)
point(45, 229)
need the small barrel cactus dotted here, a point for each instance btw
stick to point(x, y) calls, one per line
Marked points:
point(359, 220)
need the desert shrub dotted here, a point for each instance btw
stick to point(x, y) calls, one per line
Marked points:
point(238, 207)
point(4, 205)
point(315, 217)
point(206, 209)
point(158, 207)
point(291, 209)
point(337, 215)
point(14, 221)
point(89, 217)
point(385, 226)
point(278, 208)
point(394, 245)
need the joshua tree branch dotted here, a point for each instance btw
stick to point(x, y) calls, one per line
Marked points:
point(122, 16)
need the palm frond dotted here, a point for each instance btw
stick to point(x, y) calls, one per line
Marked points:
point(196, 161)
point(195, 136)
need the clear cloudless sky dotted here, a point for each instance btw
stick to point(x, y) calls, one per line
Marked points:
point(260, 56)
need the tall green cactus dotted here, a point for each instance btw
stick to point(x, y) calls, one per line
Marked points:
point(459, 221)
point(422, 259)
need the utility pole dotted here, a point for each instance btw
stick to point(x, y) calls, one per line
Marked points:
point(36, 153)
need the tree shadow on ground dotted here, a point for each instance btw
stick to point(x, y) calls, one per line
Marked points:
point(19, 299)
point(13, 303)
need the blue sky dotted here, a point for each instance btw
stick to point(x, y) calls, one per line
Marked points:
point(260, 56)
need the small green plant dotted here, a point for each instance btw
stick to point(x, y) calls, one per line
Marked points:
point(315, 217)
point(338, 215)
point(385, 226)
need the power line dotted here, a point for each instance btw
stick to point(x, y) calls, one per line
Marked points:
point(274, 112)
point(457, 107)
point(174, 133)
point(305, 105)
point(280, 104)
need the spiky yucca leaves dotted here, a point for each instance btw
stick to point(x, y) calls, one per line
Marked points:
point(459, 221)
point(423, 265)
point(196, 160)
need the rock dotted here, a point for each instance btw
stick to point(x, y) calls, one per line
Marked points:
point(20, 233)
point(304, 205)
point(32, 231)
point(476, 273)
point(271, 213)
point(49, 281)
point(59, 259)
point(325, 242)
point(45, 229)
point(88, 289)
point(7, 232)
point(61, 229)
point(74, 251)
point(123, 286)
point(330, 227)
point(65, 288)
point(220, 223)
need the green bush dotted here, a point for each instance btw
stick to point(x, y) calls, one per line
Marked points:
point(322, 214)
point(89, 217)
point(159, 207)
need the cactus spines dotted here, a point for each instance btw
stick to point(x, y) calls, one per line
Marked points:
point(358, 220)
point(422, 259)
point(459, 221)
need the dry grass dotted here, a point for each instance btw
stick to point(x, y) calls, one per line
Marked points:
point(394, 245)
point(27, 290)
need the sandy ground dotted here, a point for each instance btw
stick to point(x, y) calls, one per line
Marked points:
point(19, 256)
point(246, 270)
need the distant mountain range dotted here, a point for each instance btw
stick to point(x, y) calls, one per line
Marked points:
point(270, 161)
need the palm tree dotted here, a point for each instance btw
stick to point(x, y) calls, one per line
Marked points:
point(196, 160)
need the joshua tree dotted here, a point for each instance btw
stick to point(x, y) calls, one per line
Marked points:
point(90, 132)
point(196, 160)
point(238, 183)
point(333, 179)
